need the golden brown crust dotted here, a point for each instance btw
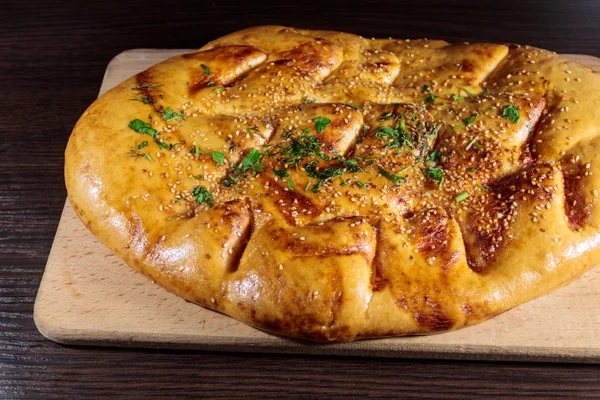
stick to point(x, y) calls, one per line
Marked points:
point(324, 186)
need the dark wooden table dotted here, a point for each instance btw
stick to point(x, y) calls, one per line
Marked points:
point(52, 58)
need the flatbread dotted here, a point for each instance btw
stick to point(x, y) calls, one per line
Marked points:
point(324, 186)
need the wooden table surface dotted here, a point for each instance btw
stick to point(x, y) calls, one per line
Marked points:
point(52, 57)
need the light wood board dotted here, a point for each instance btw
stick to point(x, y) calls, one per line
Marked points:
point(90, 297)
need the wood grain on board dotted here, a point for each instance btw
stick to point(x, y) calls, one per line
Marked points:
point(89, 296)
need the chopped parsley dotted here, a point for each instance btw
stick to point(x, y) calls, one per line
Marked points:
point(390, 176)
point(511, 113)
point(435, 155)
point(169, 115)
point(218, 89)
point(142, 145)
point(482, 187)
point(280, 172)
point(362, 185)
point(251, 162)
point(430, 98)
point(143, 127)
point(470, 120)
point(217, 156)
point(290, 185)
point(203, 196)
point(148, 156)
point(400, 135)
point(461, 197)
point(211, 83)
point(199, 177)
point(321, 123)
point(426, 88)
point(206, 70)
point(456, 97)
point(436, 174)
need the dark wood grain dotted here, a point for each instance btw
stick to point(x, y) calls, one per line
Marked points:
point(52, 58)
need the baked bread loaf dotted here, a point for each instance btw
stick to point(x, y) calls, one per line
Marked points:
point(324, 186)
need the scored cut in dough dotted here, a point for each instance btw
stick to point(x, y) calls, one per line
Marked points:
point(324, 186)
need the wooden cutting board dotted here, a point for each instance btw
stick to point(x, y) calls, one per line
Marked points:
point(90, 297)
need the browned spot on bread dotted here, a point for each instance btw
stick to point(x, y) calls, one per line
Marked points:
point(288, 201)
point(577, 208)
point(486, 227)
point(431, 316)
point(220, 61)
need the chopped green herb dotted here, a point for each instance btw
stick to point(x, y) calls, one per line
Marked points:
point(282, 173)
point(511, 113)
point(471, 94)
point(390, 176)
point(142, 127)
point(290, 184)
point(435, 155)
point(350, 165)
point(456, 97)
point(217, 156)
point(482, 187)
point(387, 115)
point(437, 174)
point(303, 146)
point(211, 83)
point(430, 98)
point(203, 196)
point(323, 175)
point(199, 177)
point(218, 89)
point(252, 131)
point(146, 86)
point(362, 185)
point(143, 98)
point(308, 186)
point(473, 143)
point(169, 115)
point(321, 123)
point(251, 162)
point(461, 197)
point(471, 169)
point(470, 120)
point(426, 87)
point(401, 137)
point(434, 132)
point(135, 151)
point(206, 70)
